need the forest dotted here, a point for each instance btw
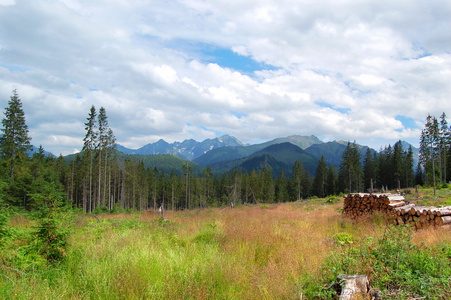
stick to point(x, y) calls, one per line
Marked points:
point(100, 178)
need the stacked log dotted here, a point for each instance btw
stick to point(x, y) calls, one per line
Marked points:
point(356, 205)
point(423, 216)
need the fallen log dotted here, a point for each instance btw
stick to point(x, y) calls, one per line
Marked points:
point(404, 209)
point(443, 211)
point(439, 221)
point(397, 204)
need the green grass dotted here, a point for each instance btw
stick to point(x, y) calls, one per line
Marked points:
point(285, 251)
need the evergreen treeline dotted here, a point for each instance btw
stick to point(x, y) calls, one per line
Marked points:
point(435, 142)
point(100, 179)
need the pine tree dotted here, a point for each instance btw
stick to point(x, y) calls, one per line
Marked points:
point(350, 174)
point(396, 165)
point(282, 194)
point(444, 142)
point(428, 146)
point(106, 143)
point(408, 165)
point(369, 171)
point(89, 146)
point(419, 176)
point(320, 178)
point(15, 140)
point(298, 173)
point(331, 180)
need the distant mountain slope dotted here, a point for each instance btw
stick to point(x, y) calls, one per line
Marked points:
point(162, 162)
point(188, 149)
point(167, 163)
point(280, 156)
point(332, 151)
point(258, 162)
point(288, 154)
point(232, 153)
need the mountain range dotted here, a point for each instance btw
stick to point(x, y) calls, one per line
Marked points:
point(224, 153)
point(188, 149)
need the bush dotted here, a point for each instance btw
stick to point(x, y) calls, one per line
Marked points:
point(52, 231)
point(393, 264)
point(4, 230)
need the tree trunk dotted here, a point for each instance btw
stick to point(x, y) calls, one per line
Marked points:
point(353, 287)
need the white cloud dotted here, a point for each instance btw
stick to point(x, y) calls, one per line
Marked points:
point(343, 69)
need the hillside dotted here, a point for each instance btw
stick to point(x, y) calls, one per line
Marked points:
point(233, 153)
point(168, 163)
point(162, 162)
point(333, 152)
point(278, 156)
point(258, 162)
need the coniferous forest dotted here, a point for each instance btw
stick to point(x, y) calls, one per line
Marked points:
point(100, 178)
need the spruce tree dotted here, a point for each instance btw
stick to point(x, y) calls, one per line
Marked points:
point(350, 174)
point(408, 165)
point(428, 146)
point(331, 180)
point(89, 146)
point(298, 173)
point(445, 139)
point(320, 178)
point(15, 140)
point(369, 171)
point(396, 165)
point(105, 145)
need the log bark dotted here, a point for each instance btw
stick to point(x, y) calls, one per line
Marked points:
point(404, 209)
point(442, 220)
point(443, 211)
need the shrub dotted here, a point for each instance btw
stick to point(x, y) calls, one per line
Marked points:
point(52, 231)
point(4, 230)
point(393, 264)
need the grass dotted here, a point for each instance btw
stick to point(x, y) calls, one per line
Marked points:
point(285, 251)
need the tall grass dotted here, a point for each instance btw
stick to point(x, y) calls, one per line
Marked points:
point(257, 252)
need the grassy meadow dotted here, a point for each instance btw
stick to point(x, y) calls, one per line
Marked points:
point(284, 251)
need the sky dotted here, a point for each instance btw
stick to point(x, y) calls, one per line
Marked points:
point(368, 71)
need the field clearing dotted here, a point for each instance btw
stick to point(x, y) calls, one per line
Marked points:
point(284, 251)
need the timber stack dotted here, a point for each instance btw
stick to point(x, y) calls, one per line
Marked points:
point(356, 205)
point(422, 216)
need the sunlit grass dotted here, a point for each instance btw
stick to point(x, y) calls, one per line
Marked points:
point(250, 252)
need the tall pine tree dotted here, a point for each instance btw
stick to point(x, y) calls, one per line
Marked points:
point(15, 140)
point(89, 146)
point(320, 178)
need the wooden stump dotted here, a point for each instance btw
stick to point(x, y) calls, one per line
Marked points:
point(353, 287)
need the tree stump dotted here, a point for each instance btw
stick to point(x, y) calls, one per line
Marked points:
point(353, 287)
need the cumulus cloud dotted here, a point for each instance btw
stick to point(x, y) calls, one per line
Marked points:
point(341, 70)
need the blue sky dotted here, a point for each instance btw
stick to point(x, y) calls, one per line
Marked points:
point(369, 71)
point(227, 58)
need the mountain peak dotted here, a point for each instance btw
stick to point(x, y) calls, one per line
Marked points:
point(188, 149)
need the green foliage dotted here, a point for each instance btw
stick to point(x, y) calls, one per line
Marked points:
point(14, 141)
point(52, 230)
point(393, 264)
point(4, 217)
point(343, 238)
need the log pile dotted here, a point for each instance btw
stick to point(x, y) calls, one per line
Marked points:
point(356, 205)
point(423, 216)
